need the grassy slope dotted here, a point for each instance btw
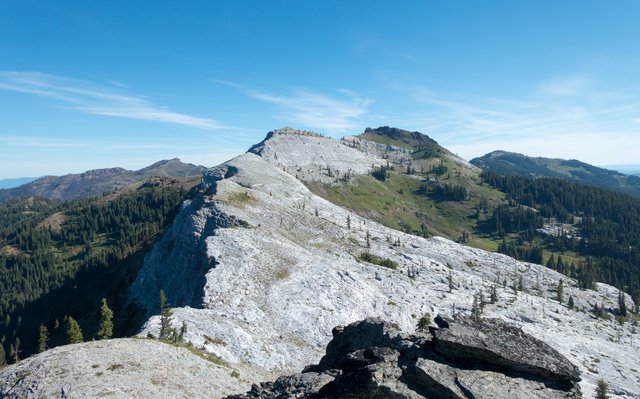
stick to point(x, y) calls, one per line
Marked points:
point(397, 203)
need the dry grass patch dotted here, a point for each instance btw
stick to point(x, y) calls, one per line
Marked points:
point(53, 222)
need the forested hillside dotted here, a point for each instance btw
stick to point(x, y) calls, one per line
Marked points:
point(603, 228)
point(58, 259)
point(509, 163)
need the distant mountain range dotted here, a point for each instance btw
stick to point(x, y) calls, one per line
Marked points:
point(98, 181)
point(281, 244)
point(511, 163)
point(11, 183)
point(633, 170)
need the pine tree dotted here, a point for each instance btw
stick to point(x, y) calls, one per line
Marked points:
point(105, 331)
point(602, 389)
point(551, 263)
point(14, 352)
point(476, 307)
point(450, 280)
point(560, 292)
point(493, 294)
point(571, 304)
point(183, 329)
point(3, 356)
point(166, 318)
point(520, 284)
point(423, 323)
point(43, 338)
point(348, 221)
point(74, 333)
point(622, 306)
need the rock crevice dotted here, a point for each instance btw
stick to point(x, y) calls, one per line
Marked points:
point(461, 359)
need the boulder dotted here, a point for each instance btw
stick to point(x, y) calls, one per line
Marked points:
point(496, 343)
point(465, 359)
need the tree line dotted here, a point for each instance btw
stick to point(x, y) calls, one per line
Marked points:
point(49, 276)
point(609, 225)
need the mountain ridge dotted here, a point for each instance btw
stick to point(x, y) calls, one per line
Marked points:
point(265, 268)
point(511, 163)
point(96, 182)
point(15, 182)
point(261, 269)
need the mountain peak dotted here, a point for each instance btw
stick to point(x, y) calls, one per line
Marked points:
point(102, 173)
point(421, 145)
point(98, 181)
point(400, 134)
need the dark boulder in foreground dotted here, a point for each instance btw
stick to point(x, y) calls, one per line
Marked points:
point(462, 358)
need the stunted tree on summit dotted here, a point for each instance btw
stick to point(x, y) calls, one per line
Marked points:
point(560, 291)
point(43, 338)
point(105, 331)
point(423, 323)
point(167, 331)
point(622, 306)
point(74, 333)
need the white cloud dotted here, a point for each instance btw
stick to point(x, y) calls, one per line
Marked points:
point(330, 114)
point(564, 86)
point(97, 99)
point(566, 118)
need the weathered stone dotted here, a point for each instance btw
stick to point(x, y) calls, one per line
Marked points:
point(120, 369)
point(368, 333)
point(482, 384)
point(378, 361)
point(303, 385)
point(212, 176)
point(497, 343)
point(438, 378)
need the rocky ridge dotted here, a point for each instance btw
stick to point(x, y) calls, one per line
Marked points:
point(375, 359)
point(261, 269)
point(117, 368)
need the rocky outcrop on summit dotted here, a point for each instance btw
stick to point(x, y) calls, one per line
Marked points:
point(374, 359)
point(504, 346)
point(261, 269)
point(119, 369)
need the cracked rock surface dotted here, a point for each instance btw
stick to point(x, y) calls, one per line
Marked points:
point(374, 359)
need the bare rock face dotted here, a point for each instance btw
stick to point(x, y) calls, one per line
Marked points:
point(117, 368)
point(261, 269)
point(374, 359)
point(495, 342)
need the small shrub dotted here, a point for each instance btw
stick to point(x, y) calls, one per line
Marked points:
point(282, 274)
point(424, 322)
point(376, 260)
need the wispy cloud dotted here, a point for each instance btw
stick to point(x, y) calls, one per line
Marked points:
point(340, 113)
point(98, 99)
point(564, 86)
point(31, 142)
point(569, 117)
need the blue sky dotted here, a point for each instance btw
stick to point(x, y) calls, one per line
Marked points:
point(96, 84)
